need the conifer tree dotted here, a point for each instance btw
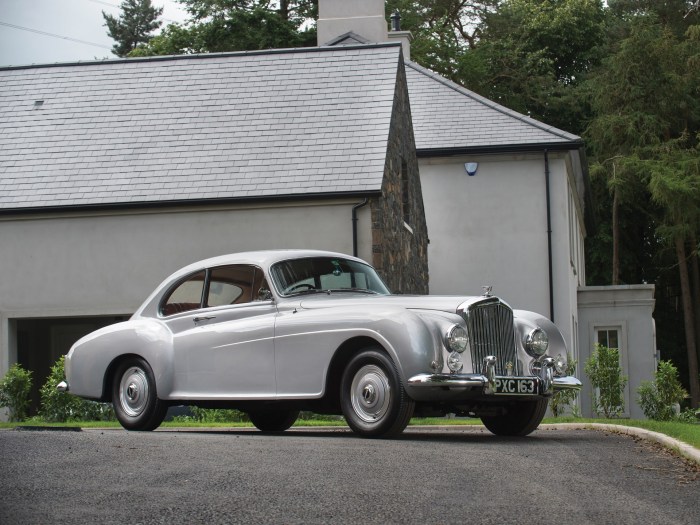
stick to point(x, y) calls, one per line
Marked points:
point(134, 26)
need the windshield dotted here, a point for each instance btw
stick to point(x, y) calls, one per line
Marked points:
point(325, 274)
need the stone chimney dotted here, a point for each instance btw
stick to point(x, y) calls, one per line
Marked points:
point(365, 18)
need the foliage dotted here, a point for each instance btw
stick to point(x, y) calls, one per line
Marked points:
point(15, 390)
point(212, 415)
point(603, 369)
point(659, 397)
point(562, 399)
point(62, 406)
point(134, 26)
point(235, 25)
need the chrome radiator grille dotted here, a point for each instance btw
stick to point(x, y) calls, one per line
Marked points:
point(490, 325)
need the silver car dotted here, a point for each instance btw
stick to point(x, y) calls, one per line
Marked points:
point(275, 332)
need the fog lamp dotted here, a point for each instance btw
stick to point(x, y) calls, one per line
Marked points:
point(560, 365)
point(454, 362)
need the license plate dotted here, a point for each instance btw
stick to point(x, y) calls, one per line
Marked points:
point(518, 386)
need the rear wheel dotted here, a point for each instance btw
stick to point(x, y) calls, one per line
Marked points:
point(520, 420)
point(372, 397)
point(273, 420)
point(135, 398)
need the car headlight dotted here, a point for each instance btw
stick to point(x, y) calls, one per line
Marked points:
point(536, 343)
point(456, 339)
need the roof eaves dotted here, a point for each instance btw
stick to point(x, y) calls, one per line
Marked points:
point(493, 105)
point(501, 148)
point(185, 203)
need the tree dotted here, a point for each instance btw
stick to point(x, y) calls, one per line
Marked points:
point(236, 25)
point(134, 26)
point(644, 142)
point(444, 31)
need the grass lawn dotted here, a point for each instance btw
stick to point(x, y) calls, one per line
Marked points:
point(686, 432)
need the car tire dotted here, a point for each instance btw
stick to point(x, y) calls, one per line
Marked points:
point(372, 397)
point(522, 419)
point(273, 420)
point(135, 398)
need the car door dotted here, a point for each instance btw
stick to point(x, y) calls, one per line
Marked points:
point(223, 335)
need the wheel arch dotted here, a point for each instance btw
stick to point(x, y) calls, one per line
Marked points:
point(108, 379)
point(340, 360)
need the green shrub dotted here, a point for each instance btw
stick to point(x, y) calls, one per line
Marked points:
point(62, 406)
point(561, 399)
point(212, 415)
point(15, 391)
point(658, 398)
point(603, 369)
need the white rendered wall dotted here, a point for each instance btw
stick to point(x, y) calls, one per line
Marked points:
point(108, 263)
point(627, 309)
point(491, 229)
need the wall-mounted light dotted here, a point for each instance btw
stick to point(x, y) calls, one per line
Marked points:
point(471, 168)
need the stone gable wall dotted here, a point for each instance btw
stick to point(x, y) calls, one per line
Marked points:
point(400, 254)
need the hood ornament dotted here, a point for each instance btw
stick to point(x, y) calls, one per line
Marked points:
point(486, 291)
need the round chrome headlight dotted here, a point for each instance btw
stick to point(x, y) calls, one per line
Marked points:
point(454, 362)
point(457, 339)
point(536, 343)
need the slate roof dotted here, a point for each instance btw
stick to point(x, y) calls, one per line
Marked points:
point(447, 117)
point(226, 126)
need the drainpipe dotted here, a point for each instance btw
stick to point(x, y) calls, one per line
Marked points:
point(354, 224)
point(549, 236)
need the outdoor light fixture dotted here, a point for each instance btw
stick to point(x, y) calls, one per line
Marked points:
point(471, 168)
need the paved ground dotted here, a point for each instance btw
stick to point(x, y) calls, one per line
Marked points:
point(308, 476)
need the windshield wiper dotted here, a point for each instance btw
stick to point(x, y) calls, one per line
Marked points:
point(355, 290)
point(310, 291)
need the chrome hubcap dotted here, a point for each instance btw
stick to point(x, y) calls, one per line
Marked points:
point(370, 393)
point(133, 392)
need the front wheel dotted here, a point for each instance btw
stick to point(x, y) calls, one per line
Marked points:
point(372, 398)
point(521, 419)
point(134, 396)
point(273, 420)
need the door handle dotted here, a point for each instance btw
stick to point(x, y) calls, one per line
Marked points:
point(199, 319)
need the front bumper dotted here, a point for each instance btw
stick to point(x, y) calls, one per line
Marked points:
point(481, 381)
point(546, 383)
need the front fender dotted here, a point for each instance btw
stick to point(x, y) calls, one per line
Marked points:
point(526, 321)
point(90, 360)
point(307, 341)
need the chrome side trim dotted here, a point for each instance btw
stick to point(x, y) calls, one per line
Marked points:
point(62, 387)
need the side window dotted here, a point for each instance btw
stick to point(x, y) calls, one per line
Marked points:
point(230, 285)
point(185, 296)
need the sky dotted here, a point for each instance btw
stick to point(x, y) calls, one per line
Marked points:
point(75, 29)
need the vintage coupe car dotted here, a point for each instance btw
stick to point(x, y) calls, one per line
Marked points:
point(275, 332)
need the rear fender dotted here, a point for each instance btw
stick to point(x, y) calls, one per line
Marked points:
point(92, 358)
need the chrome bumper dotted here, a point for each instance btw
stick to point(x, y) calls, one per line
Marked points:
point(62, 387)
point(546, 382)
point(481, 381)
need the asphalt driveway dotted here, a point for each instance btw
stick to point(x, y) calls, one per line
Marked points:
point(312, 476)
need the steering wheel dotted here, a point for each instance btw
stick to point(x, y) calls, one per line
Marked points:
point(295, 287)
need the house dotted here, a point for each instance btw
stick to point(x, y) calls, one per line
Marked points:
point(115, 173)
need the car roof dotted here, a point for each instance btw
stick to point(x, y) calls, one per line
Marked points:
point(262, 258)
